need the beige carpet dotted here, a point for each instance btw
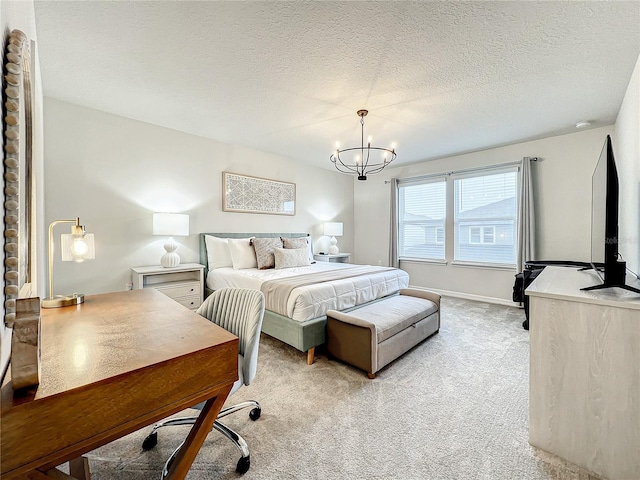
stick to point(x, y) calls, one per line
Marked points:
point(455, 407)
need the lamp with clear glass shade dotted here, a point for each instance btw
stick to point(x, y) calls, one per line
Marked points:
point(76, 246)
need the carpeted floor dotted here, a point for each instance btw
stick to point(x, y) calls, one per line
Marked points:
point(454, 407)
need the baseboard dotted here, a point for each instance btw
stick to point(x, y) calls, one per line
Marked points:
point(469, 296)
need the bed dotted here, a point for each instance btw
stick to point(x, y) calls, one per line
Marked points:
point(298, 298)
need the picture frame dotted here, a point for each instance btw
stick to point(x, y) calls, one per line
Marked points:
point(247, 194)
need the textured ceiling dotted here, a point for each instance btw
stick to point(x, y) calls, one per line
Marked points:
point(438, 78)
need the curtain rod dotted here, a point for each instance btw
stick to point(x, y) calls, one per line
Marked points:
point(466, 170)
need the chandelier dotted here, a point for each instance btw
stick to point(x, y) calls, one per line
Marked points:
point(362, 161)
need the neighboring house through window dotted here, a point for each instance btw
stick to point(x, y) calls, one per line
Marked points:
point(479, 235)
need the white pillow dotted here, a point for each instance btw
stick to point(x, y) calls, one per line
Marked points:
point(291, 257)
point(218, 254)
point(242, 253)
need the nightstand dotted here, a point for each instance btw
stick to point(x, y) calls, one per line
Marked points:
point(184, 283)
point(337, 258)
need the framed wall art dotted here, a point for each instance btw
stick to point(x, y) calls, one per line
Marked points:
point(246, 194)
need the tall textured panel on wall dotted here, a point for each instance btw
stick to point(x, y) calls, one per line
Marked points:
point(242, 193)
point(18, 143)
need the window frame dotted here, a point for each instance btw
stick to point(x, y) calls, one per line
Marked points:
point(450, 227)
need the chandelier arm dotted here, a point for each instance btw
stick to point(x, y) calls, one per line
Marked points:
point(384, 162)
point(349, 168)
point(380, 165)
point(346, 171)
point(376, 170)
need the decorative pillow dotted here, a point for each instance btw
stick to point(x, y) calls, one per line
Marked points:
point(299, 242)
point(218, 254)
point(291, 257)
point(242, 253)
point(294, 242)
point(264, 251)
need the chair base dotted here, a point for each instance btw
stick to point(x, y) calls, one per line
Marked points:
point(243, 463)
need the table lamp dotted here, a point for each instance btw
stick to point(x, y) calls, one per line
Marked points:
point(76, 246)
point(334, 229)
point(170, 224)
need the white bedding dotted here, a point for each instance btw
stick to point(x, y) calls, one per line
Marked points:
point(313, 301)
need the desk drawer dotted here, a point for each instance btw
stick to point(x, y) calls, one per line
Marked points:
point(191, 301)
point(180, 290)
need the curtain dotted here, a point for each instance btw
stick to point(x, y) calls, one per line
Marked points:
point(394, 261)
point(526, 220)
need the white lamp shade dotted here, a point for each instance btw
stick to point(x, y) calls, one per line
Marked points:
point(333, 229)
point(77, 248)
point(171, 224)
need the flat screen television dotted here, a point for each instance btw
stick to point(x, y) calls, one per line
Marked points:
point(605, 258)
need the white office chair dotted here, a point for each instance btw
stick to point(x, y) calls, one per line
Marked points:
point(239, 311)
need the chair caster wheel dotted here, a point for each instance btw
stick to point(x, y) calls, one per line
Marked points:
point(255, 414)
point(150, 442)
point(243, 465)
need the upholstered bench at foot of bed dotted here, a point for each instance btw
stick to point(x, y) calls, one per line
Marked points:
point(373, 336)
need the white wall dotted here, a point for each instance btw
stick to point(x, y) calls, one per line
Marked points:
point(563, 207)
point(114, 172)
point(627, 153)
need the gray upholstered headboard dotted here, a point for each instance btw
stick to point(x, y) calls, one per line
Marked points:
point(203, 247)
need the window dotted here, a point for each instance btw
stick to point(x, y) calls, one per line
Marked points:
point(485, 210)
point(482, 215)
point(421, 219)
point(478, 235)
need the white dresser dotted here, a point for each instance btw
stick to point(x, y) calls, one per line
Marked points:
point(584, 381)
point(184, 283)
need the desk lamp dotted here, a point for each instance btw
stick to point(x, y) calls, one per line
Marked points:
point(76, 246)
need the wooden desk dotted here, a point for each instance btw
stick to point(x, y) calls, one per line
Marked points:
point(111, 366)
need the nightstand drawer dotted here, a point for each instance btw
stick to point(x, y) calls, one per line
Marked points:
point(177, 290)
point(192, 301)
point(184, 283)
